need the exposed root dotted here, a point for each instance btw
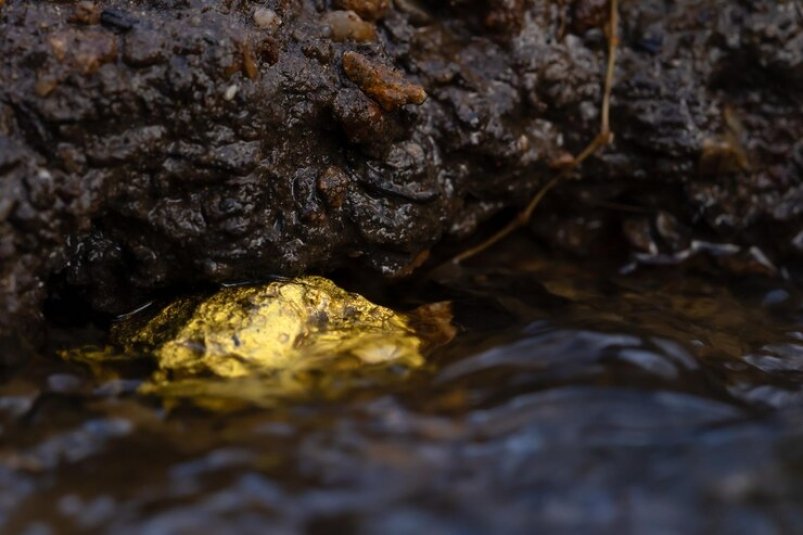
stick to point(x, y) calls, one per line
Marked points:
point(613, 46)
point(603, 138)
point(562, 19)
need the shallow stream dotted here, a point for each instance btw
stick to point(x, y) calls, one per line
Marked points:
point(573, 400)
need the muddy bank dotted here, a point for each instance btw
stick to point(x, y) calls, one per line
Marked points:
point(149, 144)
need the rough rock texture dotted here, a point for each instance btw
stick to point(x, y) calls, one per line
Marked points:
point(149, 143)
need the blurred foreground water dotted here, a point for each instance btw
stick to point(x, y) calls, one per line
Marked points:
point(572, 400)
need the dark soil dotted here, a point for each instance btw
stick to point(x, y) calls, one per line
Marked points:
point(150, 144)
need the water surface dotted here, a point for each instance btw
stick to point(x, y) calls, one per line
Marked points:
point(574, 399)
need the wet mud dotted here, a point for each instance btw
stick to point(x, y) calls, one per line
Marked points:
point(150, 145)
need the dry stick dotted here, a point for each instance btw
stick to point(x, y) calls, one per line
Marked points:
point(603, 138)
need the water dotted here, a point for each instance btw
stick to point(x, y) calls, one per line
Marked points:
point(574, 400)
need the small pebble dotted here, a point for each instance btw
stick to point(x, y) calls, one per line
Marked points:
point(231, 92)
point(347, 25)
point(367, 9)
point(267, 19)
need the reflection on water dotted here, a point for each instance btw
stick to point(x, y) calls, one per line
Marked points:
point(572, 399)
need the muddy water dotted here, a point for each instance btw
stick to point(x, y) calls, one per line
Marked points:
point(574, 399)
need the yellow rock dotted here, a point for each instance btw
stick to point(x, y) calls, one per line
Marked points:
point(253, 344)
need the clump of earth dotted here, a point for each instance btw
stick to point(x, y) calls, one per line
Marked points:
point(150, 146)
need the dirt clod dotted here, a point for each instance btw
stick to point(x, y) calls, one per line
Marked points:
point(383, 84)
point(168, 144)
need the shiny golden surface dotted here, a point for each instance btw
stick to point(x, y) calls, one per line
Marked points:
point(252, 344)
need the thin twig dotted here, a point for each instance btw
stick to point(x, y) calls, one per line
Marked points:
point(603, 138)
point(613, 45)
point(520, 220)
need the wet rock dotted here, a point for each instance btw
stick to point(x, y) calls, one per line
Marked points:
point(383, 84)
point(149, 147)
point(261, 343)
point(348, 26)
point(367, 9)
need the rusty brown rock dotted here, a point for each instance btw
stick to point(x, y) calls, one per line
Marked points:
point(387, 86)
point(367, 9)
